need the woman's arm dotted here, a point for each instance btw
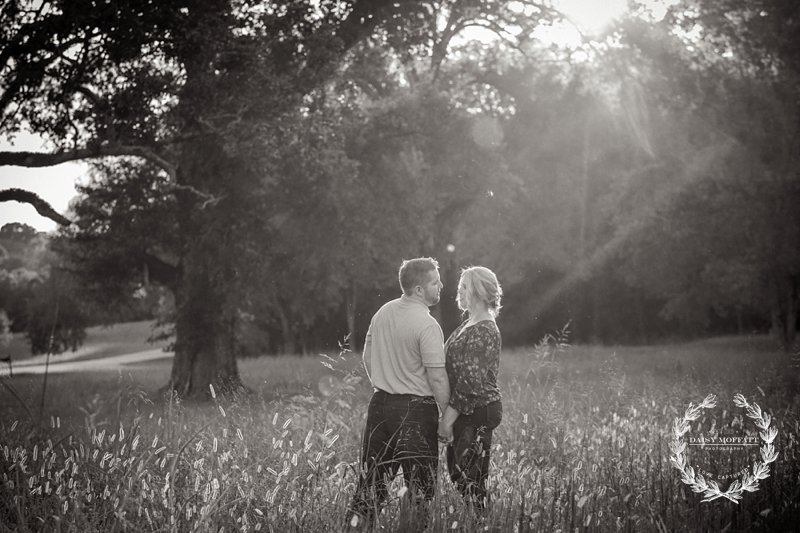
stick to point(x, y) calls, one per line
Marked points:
point(446, 424)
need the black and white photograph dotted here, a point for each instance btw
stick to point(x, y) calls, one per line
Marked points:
point(403, 266)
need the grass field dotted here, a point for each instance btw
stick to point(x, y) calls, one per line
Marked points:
point(584, 446)
point(101, 341)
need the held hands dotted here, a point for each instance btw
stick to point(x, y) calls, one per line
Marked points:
point(449, 417)
point(445, 432)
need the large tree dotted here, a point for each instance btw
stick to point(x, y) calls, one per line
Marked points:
point(192, 94)
point(190, 89)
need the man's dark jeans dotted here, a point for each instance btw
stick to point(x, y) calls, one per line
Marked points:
point(400, 432)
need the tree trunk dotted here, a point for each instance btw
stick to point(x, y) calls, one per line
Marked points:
point(207, 302)
point(207, 296)
point(790, 334)
point(594, 313)
point(644, 337)
point(776, 324)
point(784, 311)
point(351, 300)
point(205, 346)
point(287, 332)
point(739, 321)
point(451, 314)
point(585, 325)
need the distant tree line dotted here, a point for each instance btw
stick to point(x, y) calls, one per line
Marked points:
point(273, 165)
point(42, 300)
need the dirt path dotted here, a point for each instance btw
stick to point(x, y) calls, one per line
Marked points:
point(114, 362)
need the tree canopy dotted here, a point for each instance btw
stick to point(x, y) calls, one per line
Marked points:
point(271, 163)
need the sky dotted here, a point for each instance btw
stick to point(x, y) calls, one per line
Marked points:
point(56, 184)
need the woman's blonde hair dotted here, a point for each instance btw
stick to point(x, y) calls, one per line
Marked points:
point(481, 284)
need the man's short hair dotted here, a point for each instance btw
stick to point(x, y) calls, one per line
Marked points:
point(414, 272)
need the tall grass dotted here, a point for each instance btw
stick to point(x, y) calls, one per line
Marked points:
point(584, 446)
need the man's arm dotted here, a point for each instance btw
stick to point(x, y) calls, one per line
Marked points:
point(437, 378)
point(367, 355)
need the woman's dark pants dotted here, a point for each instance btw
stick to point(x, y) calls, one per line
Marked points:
point(400, 433)
point(468, 455)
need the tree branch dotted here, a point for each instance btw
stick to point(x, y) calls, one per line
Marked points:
point(98, 103)
point(102, 111)
point(41, 206)
point(41, 159)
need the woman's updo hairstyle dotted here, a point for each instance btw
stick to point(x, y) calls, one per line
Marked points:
point(481, 285)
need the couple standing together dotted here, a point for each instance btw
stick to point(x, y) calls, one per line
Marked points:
point(427, 390)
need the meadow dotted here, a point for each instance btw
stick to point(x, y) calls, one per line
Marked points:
point(584, 446)
point(100, 341)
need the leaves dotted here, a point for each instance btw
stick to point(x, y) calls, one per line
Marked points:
point(710, 488)
point(769, 435)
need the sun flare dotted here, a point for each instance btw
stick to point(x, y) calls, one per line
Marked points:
point(592, 16)
point(582, 19)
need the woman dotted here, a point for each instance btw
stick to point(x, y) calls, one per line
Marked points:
point(475, 407)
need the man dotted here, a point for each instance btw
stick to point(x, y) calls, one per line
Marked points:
point(404, 359)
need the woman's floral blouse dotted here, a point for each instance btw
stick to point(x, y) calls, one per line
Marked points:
point(473, 360)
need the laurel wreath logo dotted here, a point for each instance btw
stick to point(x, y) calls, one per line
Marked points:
point(748, 482)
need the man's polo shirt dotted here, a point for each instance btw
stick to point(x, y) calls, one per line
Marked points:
point(403, 339)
